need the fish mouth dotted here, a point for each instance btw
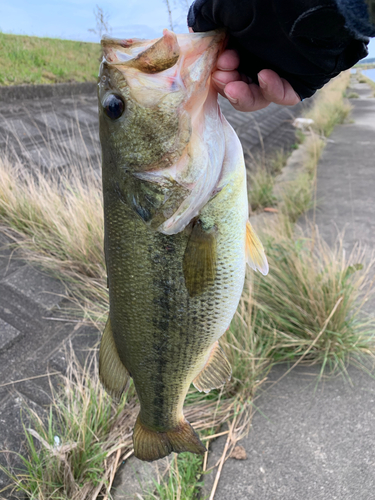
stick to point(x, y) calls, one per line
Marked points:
point(160, 54)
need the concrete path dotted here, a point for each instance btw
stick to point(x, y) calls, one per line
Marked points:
point(308, 442)
point(346, 177)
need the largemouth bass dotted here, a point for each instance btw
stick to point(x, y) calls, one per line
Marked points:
point(177, 235)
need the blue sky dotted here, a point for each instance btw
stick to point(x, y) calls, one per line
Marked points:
point(73, 18)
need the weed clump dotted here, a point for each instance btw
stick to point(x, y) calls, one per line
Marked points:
point(312, 299)
point(330, 107)
point(261, 190)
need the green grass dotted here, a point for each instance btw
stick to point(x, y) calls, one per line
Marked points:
point(72, 450)
point(297, 197)
point(33, 60)
point(182, 481)
point(311, 300)
point(330, 108)
point(261, 190)
point(277, 161)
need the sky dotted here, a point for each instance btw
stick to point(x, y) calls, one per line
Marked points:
point(72, 19)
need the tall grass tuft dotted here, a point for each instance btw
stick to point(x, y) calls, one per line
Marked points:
point(261, 190)
point(73, 452)
point(57, 221)
point(330, 107)
point(312, 299)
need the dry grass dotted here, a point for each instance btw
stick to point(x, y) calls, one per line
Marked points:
point(75, 451)
point(313, 298)
point(261, 190)
point(57, 220)
point(365, 79)
point(330, 107)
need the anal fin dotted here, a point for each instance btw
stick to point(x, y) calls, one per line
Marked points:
point(216, 371)
point(255, 255)
point(113, 374)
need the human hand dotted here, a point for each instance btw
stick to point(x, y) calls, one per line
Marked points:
point(245, 95)
point(304, 43)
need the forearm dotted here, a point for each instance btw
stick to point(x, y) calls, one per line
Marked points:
point(359, 15)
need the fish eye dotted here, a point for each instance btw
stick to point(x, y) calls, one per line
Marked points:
point(113, 106)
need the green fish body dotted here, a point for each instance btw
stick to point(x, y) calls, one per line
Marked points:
point(177, 236)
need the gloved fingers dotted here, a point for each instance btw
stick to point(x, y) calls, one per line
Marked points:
point(277, 89)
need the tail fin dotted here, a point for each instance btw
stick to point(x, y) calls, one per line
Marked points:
point(151, 445)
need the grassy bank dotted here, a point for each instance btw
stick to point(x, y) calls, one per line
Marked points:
point(33, 60)
point(306, 310)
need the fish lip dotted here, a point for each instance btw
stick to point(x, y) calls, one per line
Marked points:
point(124, 46)
point(130, 42)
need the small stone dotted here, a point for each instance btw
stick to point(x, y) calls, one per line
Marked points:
point(239, 453)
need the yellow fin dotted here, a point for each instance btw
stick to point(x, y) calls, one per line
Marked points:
point(256, 258)
point(150, 445)
point(113, 374)
point(216, 371)
point(200, 259)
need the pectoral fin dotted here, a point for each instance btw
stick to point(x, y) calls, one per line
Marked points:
point(200, 259)
point(113, 374)
point(256, 258)
point(216, 371)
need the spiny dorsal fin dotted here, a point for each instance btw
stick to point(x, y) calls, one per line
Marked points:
point(216, 371)
point(200, 259)
point(256, 258)
point(113, 374)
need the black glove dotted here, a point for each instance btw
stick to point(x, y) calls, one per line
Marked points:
point(304, 41)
